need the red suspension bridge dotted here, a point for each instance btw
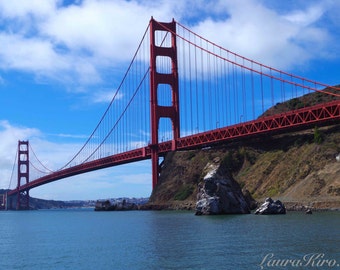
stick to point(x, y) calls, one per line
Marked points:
point(181, 92)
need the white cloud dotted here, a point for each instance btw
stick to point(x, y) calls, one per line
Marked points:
point(108, 31)
point(305, 17)
point(21, 9)
point(51, 155)
point(98, 27)
point(31, 54)
point(262, 34)
point(38, 56)
point(73, 136)
point(105, 96)
point(75, 43)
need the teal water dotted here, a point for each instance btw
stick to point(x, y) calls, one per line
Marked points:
point(84, 239)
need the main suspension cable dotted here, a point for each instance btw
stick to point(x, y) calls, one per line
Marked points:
point(257, 63)
point(109, 106)
point(39, 162)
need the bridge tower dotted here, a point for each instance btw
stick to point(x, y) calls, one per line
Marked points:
point(23, 175)
point(156, 79)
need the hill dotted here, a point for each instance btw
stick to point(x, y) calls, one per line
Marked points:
point(35, 203)
point(298, 168)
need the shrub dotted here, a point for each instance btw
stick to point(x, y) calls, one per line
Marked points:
point(183, 193)
point(318, 136)
point(233, 161)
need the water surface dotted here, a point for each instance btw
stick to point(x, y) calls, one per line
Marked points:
point(84, 239)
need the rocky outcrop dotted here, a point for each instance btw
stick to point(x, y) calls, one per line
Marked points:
point(271, 207)
point(288, 166)
point(107, 206)
point(252, 203)
point(220, 193)
point(309, 211)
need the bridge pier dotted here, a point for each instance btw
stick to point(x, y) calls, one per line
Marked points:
point(156, 78)
point(8, 202)
point(2, 201)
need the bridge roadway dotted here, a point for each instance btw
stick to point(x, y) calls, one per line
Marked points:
point(321, 115)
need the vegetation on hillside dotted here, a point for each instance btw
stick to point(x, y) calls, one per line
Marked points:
point(304, 101)
point(296, 167)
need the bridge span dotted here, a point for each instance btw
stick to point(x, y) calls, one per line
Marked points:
point(318, 115)
point(191, 94)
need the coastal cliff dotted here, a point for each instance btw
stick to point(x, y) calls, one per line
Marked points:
point(302, 169)
point(290, 167)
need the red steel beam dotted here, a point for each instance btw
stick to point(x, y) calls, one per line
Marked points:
point(322, 114)
point(114, 160)
point(297, 119)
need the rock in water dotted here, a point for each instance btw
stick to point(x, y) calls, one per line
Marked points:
point(107, 206)
point(220, 194)
point(270, 207)
point(309, 211)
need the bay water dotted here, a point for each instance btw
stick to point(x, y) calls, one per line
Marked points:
point(85, 239)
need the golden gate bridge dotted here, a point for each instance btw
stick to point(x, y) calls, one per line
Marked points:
point(182, 91)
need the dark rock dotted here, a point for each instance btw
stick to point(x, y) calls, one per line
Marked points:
point(309, 211)
point(220, 194)
point(270, 207)
point(252, 203)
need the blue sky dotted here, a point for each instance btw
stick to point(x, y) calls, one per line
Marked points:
point(60, 62)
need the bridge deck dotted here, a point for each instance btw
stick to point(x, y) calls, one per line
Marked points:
point(321, 114)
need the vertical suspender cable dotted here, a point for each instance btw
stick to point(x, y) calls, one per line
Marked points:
point(252, 91)
point(216, 117)
point(209, 91)
point(191, 86)
point(234, 93)
point(224, 103)
point(244, 94)
point(185, 90)
point(13, 169)
point(229, 91)
point(283, 99)
point(202, 90)
point(272, 87)
point(262, 97)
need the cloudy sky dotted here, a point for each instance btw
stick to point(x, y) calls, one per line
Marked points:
point(60, 61)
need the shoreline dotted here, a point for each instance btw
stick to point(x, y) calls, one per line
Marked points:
point(314, 206)
point(293, 206)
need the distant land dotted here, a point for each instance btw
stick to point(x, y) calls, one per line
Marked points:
point(36, 204)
